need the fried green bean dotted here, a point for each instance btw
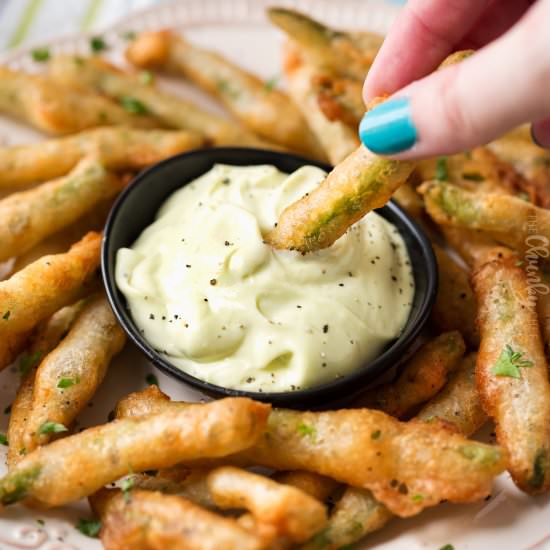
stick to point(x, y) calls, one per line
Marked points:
point(76, 466)
point(117, 147)
point(458, 403)
point(43, 287)
point(258, 105)
point(359, 184)
point(421, 378)
point(58, 109)
point(172, 111)
point(510, 220)
point(378, 451)
point(31, 216)
point(346, 53)
point(68, 377)
point(148, 520)
point(45, 338)
point(455, 306)
point(291, 513)
point(337, 138)
point(512, 373)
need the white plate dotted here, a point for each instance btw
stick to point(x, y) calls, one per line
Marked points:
point(508, 521)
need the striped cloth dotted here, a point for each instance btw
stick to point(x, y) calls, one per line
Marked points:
point(30, 21)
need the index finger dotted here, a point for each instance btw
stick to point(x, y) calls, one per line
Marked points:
point(423, 34)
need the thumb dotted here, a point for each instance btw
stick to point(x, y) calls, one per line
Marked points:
point(465, 105)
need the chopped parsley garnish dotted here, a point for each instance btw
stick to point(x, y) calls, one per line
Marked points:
point(271, 84)
point(447, 547)
point(146, 77)
point(305, 430)
point(6, 315)
point(417, 498)
point(27, 362)
point(40, 55)
point(151, 379)
point(3, 440)
point(97, 44)
point(441, 170)
point(52, 428)
point(509, 363)
point(133, 105)
point(376, 434)
point(89, 527)
point(225, 88)
point(7, 410)
point(68, 382)
point(41, 522)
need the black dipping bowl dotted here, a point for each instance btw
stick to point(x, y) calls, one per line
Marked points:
point(137, 207)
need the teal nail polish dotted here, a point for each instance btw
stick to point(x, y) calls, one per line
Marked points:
point(388, 128)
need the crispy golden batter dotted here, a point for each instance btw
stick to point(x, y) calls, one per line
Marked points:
point(359, 184)
point(349, 54)
point(258, 105)
point(147, 520)
point(337, 138)
point(68, 377)
point(117, 147)
point(458, 403)
point(77, 466)
point(455, 305)
point(143, 403)
point(511, 221)
point(44, 339)
point(512, 373)
point(58, 109)
point(172, 111)
point(421, 378)
point(31, 216)
point(319, 487)
point(181, 480)
point(292, 514)
point(43, 287)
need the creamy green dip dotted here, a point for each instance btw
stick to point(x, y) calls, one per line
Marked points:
point(219, 304)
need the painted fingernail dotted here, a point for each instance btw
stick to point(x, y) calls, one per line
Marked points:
point(388, 128)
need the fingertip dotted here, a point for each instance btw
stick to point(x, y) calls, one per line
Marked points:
point(540, 133)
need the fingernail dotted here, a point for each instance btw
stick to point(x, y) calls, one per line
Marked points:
point(388, 128)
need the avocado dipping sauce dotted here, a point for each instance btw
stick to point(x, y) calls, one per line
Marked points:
point(219, 304)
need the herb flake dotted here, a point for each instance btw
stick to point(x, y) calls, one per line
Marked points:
point(97, 44)
point(3, 440)
point(306, 430)
point(40, 55)
point(509, 363)
point(89, 527)
point(151, 379)
point(68, 382)
point(133, 105)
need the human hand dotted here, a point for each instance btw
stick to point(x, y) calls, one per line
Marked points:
point(503, 85)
